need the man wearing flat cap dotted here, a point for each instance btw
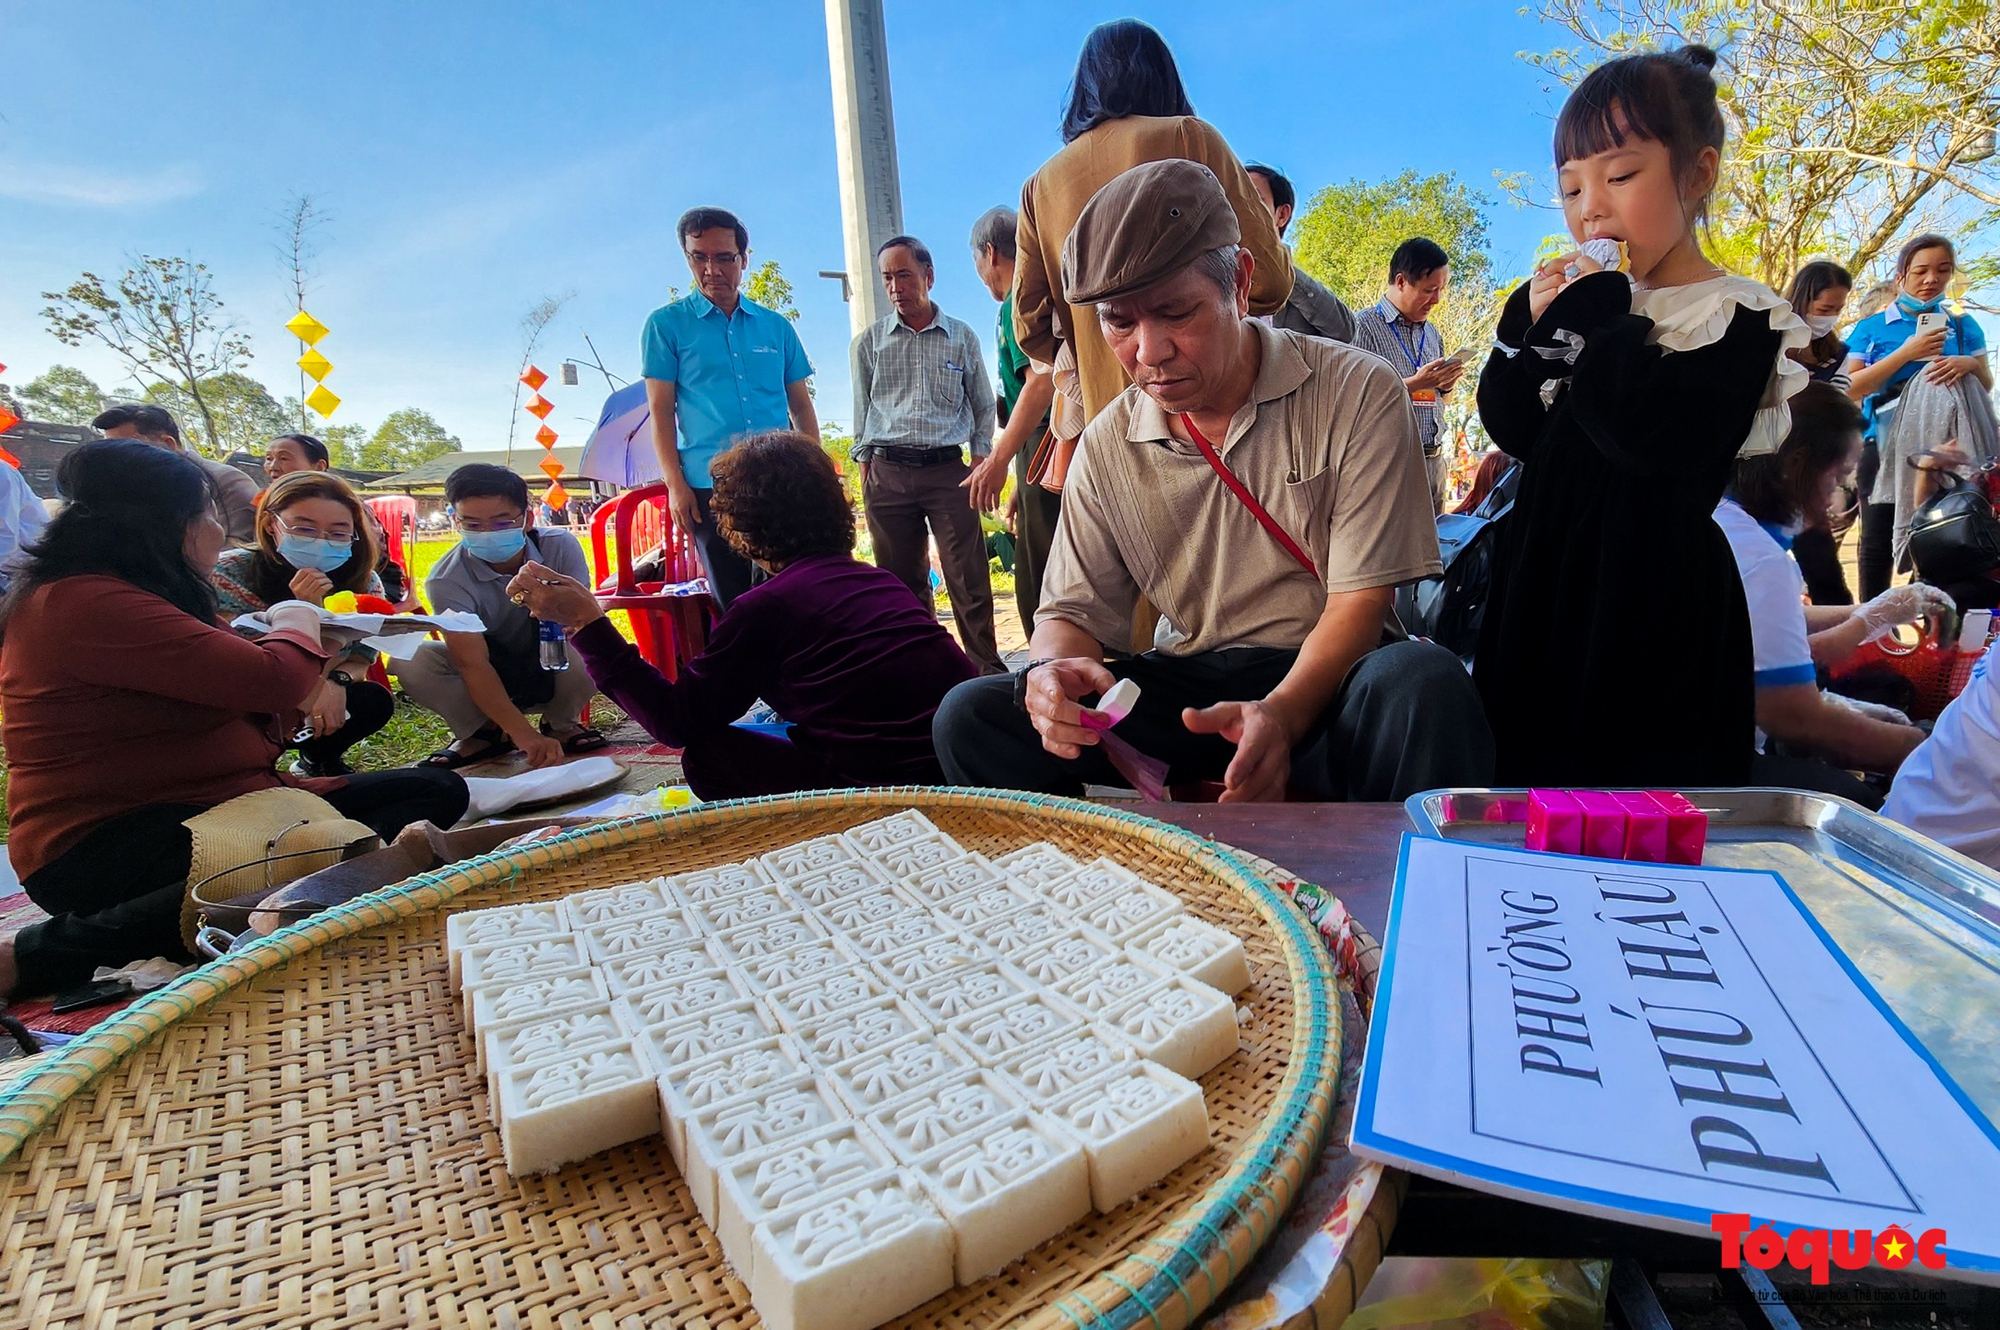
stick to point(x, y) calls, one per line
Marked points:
point(1264, 490)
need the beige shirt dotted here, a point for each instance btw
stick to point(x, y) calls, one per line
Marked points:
point(1053, 199)
point(1328, 445)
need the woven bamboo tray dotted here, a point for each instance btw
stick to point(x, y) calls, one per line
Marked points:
point(296, 1134)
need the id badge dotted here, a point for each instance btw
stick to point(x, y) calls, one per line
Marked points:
point(1424, 397)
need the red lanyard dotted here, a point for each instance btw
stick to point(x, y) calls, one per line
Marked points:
point(1242, 492)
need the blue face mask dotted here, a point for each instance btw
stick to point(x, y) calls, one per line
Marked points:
point(308, 552)
point(494, 546)
point(1911, 305)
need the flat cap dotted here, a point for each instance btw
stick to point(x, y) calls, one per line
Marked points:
point(1143, 227)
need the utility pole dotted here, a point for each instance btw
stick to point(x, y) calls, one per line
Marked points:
point(864, 130)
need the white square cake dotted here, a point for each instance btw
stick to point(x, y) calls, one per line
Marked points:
point(727, 1075)
point(812, 1000)
point(1132, 912)
point(520, 958)
point(700, 1032)
point(1112, 983)
point(503, 923)
point(707, 884)
point(913, 857)
point(996, 1033)
point(543, 995)
point(645, 935)
point(540, 1038)
point(1075, 950)
point(896, 1070)
point(757, 1188)
point(851, 1261)
point(629, 974)
point(769, 937)
point(855, 878)
point(928, 960)
point(1055, 1068)
point(1185, 1026)
point(750, 1126)
point(954, 877)
point(1008, 1188)
point(942, 1111)
point(1021, 934)
point(796, 965)
point(1038, 864)
point(874, 837)
point(1199, 950)
point(556, 1112)
point(1137, 1125)
point(958, 992)
point(632, 900)
point(853, 1031)
point(679, 996)
point(808, 857)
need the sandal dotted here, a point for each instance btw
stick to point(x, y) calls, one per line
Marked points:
point(580, 741)
point(451, 759)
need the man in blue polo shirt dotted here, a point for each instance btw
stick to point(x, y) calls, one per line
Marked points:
point(718, 367)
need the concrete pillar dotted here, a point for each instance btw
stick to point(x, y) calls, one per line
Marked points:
point(864, 131)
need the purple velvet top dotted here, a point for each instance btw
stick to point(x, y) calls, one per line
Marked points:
point(842, 650)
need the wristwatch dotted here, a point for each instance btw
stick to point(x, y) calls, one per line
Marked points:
point(1021, 682)
point(341, 677)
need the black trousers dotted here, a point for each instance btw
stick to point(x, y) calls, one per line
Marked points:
point(115, 896)
point(1818, 555)
point(1875, 554)
point(729, 573)
point(369, 706)
point(1406, 719)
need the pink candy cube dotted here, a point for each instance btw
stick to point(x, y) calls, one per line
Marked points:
point(1555, 822)
point(1604, 823)
point(1645, 828)
point(1687, 828)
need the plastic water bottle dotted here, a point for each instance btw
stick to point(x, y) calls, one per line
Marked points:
point(554, 645)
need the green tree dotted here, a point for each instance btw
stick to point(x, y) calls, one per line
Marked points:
point(345, 444)
point(11, 404)
point(1346, 233)
point(162, 318)
point(768, 286)
point(64, 395)
point(1853, 123)
point(240, 412)
point(405, 439)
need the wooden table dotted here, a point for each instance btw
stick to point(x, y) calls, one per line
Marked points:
point(1350, 849)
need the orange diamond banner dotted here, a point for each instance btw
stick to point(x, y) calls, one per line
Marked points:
point(546, 437)
point(555, 496)
point(534, 378)
point(8, 420)
point(551, 467)
point(540, 406)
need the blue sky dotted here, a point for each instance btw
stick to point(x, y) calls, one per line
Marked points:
point(476, 158)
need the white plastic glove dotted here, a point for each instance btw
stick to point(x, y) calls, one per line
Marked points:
point(1872, 710)
point(1904, 604)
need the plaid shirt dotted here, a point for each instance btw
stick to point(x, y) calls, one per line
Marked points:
point(1408, 347)
point(920, 389)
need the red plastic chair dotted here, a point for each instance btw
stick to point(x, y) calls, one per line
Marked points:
point(669, 630)
point(398, 515)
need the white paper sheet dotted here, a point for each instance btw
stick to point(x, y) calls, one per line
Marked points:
point(397, 636)
point(1659, 1045)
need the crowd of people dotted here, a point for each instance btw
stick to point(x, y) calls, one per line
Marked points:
point(1218, 474)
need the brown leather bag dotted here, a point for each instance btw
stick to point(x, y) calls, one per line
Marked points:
point(1049, 467)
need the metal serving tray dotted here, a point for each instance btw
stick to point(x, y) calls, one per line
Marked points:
point(1921, 922)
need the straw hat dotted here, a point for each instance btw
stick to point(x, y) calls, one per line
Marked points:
point(258, 842)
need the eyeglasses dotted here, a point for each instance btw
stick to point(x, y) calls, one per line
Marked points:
point(312, 532)
point(492, 524)
point(697, 259)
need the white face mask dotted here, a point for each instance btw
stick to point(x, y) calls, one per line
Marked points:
point(1821, 324)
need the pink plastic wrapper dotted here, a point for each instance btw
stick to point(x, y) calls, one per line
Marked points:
point(1687, 828)
point(1147, 774)
point(1645, 828)
point(1555, 822)
point(1604, 823)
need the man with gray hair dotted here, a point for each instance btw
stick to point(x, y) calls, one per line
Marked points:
point(1026, 390)
point(1262, 488)
point(921, 396)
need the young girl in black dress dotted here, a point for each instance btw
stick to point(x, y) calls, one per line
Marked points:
point(1616, 646)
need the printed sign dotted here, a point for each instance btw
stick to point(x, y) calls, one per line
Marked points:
point(1659, 1045)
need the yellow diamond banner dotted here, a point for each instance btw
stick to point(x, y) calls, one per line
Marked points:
point(315, 364)
point(322, 400)
point(306, 328)
point(551, 467)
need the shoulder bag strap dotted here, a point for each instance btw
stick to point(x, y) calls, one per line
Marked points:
point(1242, 492)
